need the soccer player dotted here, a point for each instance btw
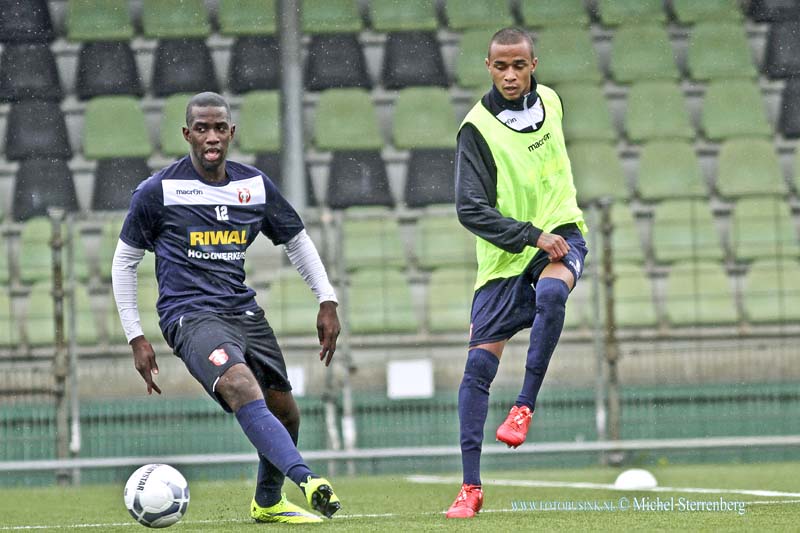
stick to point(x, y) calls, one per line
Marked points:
point(514, 191)
point(199, 215)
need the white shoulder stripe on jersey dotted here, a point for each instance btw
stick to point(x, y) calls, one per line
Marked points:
point(249, 191)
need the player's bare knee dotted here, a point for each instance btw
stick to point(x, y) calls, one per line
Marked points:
point(284, 407)
point(238, 386)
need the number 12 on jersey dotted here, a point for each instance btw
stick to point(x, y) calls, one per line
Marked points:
point(222, 212)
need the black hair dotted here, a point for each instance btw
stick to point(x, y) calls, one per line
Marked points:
point(511, 35)
point(206, 99)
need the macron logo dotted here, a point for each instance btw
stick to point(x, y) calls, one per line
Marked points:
point(190, 192)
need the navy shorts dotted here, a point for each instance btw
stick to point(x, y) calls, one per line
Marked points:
point(210, 344)
point(505, 306)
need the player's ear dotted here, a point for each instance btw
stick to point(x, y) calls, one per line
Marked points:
point(534, 62)
point(185, 131)
point(233, 130)
point(486, 62)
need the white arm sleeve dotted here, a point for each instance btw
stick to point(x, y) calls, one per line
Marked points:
point(305, 258)
point(123, 280)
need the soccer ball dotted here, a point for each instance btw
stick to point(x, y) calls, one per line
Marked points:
point(156, 495)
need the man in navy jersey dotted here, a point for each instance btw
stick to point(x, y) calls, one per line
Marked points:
point(198, 216)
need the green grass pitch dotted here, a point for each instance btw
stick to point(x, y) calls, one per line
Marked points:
point(396, 503)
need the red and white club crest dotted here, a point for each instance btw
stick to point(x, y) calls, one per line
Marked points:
point(219, 357)
point(244, 195)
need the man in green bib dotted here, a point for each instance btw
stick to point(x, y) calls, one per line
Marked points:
point(514, 191)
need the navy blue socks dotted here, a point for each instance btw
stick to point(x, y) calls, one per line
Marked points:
point(473, 406)
point(551, 299)
point(272, 441)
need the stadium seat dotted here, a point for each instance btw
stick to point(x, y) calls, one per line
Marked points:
point(579, 313)
point(740, 160)
point(699, 293)
point(25, 22)
point(175, 19)
point(789, 120)
point(331, 16)
point(335, 60)
point(548, 14)
point(289, 305)
point(380, 302)
point(107, 68)
point(424, 117)
point(632, 12)
point(669, 169)
point(5, 274)
point(429, 178)
point(346, 119)
point(692, 12)
point(773, 10)
point(372, 241)
point(464, 15)
point(35, 254)
point(586, 114)
point(634, 305)
point(413, 58)
point(173, 119)
point(771, 291)
point(625, 239)
point(43, 183)
point(103, 137)
point(734, 108)
point(259, 127)
point(642, 52)
point(470, 59)
point(39, 324)
point(98, 20)
point(719, 50)
point(86, 325)
point(247, 17)
point(684, 230)
point(9, 331)
point(565, 54)
point(270, 164)
point(782, 50)
point(36, 129)
point(441, 241)
point(763, 228)
point(450, 292)
point(411, 15)
point(358, 178)
point(115, 179)
point(147, 296)
point(28, 71)
point(597, 171)
point(254, 64)
point(669, 119)
point(183, 66)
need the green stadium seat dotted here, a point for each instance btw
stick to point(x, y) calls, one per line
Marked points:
point(719, 50)
point(4, 269)
point(597, 171)
point(734, 108)
point(642, 52)
point(36, 256)
point(424, 117)
point(684, 230)
point(669, 119)
point(616, 12)
point(86, 330)
point(9, 332)
point(247, 17)
point(470, 66)
point(579, 310)
point(771, 291)
point(372, 239)
point(104, 137)
point(634, 305)
point(410, 15)
point(669, 169)
point(331, 16)
point(173, 118)
point(763, 228)
point(551, 13)
point(699, 293)
point(264, 260)
point(565, 55)
point(586, 114)
point(450, 292)
point(441, 241)
point(147, 296)
point(289, 304)
point(39, 320)
point(742, 159)
point(468, 14)
point(172, 19)
point(346, 119)
point(625, 239)
point(98, 20)
point(692, 11)
point(380, 302)
point(259, 127)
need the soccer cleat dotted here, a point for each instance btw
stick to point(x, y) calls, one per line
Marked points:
point(284, 512)
point(515, 428)
point(320, 495)
point(468, 502)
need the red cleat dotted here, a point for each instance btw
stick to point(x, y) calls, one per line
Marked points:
point(514, 430)
point(468, 502)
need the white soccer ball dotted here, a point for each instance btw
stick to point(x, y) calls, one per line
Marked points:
point(635, 478)
point(156, 495)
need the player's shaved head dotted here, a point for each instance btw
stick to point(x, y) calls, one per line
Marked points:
point(206, 99)
point(511, 35)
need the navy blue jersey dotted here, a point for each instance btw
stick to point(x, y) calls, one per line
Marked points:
point(200, 231)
